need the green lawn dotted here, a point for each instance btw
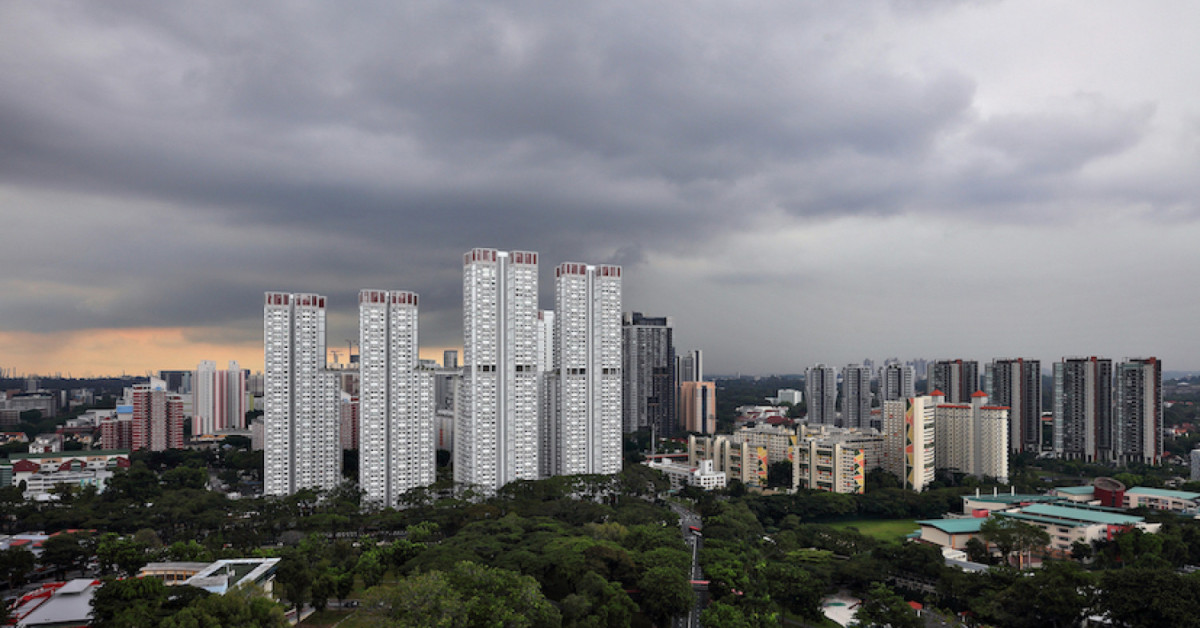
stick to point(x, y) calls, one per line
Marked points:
point(882, 529)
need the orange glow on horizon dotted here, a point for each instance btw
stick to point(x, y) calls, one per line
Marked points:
point(136, 351)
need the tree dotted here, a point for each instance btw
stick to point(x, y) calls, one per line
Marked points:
point(1058, 595)
point(1010, 535)
point(1081, 551)
point(665, 593)
point(603, 603)
point(371, 567)
point(191, 551)
point(1139, 597)
point(795, 589)
point(883, 607)
point(242, 607)
point(724, 615)
point(977, 551)
point(65, 551)
point(295, 576)
point(343, 584)
point(779, 474)
point(468, 595)
point(129, 602)
point(124, 554)
point(324, 586)
point(184, 477)
point(16, 563)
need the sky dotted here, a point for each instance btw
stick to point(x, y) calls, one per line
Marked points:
point(792, 182)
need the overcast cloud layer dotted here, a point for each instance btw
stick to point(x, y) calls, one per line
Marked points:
point(792, 182)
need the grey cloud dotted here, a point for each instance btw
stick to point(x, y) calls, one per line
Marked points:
point(324, 148)
point(1048, 144)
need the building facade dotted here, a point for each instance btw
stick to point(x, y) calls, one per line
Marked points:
point(908, 426)
point(1083, 409)
point(301, 417)
point(835, 459)
point(691, 366)
point(586, 419)
point(698, 407)
point(957, 379)
point(156, 422)
point(820, 384)
point(648, 369)
point(972, 438)
point(1017, 384)
point(737, 460)
point(396, 399)
point(856, 396)
point(496, 428)
point(218, 398)
point(1139, 411)
point(897, 381)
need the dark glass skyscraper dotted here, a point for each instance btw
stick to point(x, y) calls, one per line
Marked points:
point(648, 353)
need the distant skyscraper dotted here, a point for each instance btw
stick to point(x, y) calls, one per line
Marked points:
point(958, 379)
point(1083, 409)
point(496, 431)
point(698, 407)
point(157, 420)
point(897, 381)
point(396, 404)
point(450, 359)
point(649, 372)
point(218, 398)
point(177, 381)
point(820, 384)
point(586, 420)
point(856, 396)
point(691, 366)
point(1017, 383)
point(301, 417)
point(1138, 433)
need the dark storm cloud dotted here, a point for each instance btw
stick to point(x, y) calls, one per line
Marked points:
point(202, 153)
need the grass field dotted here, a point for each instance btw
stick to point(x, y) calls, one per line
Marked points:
point(882, 529)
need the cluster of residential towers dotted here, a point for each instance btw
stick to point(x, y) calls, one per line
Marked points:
point(540, 392)
point(1102, 412)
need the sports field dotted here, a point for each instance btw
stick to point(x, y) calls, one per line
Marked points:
point(882, 529)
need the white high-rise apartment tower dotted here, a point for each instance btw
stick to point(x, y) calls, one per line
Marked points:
point(300, 398)
point(396, 403)
point(496, 431)
point(218, 398)
point(587, 359)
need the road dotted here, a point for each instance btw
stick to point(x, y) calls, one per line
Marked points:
point(688, 520)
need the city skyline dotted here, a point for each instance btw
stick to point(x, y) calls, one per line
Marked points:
point(793, 185)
